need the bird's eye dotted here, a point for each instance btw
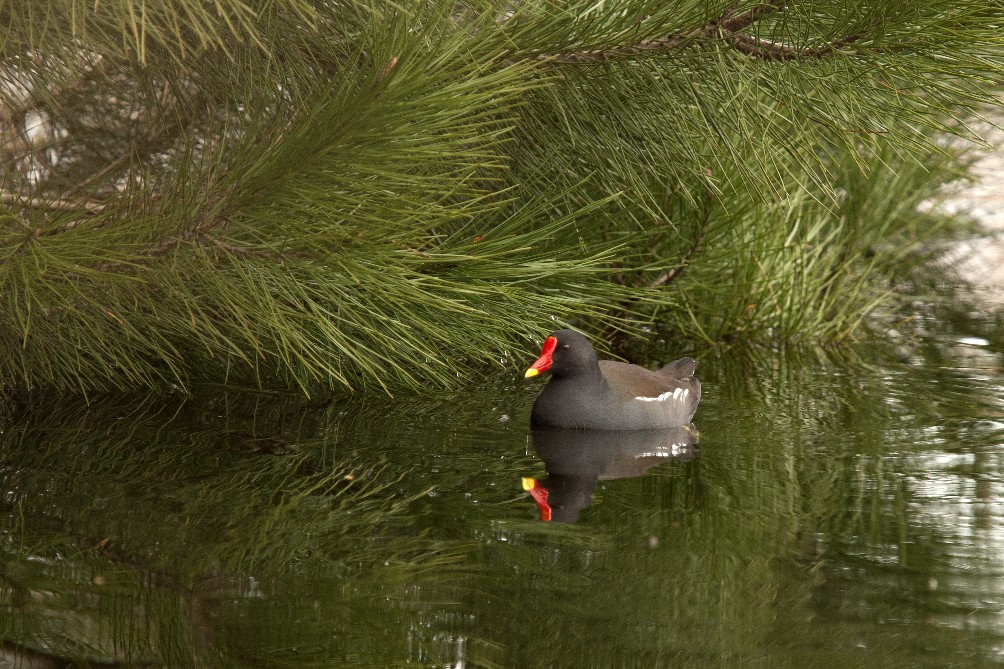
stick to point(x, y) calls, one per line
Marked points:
point(565, 347)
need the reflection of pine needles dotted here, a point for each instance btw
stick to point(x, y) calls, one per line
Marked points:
point(164, 521)
point(179, 504)
point(242, 529)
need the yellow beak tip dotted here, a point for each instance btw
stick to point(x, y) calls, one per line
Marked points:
point(529, 483)
point(530, 373)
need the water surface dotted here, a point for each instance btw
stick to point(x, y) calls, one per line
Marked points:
point(838, 510)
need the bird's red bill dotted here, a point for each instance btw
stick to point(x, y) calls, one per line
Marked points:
point(543, 363)
point(539, 495)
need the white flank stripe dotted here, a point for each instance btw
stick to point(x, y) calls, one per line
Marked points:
point(678, 394)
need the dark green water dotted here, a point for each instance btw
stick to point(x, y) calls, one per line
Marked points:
point(836, 513)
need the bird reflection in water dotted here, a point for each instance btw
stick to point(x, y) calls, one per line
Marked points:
point(576, 459)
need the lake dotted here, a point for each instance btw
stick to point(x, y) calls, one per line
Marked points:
point(837, 509)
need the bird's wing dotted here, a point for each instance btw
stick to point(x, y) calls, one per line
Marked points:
point(631, 382)
point(679, 369)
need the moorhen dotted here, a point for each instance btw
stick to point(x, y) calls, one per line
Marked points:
point(586, 393)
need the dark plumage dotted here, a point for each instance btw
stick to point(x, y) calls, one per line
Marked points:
point(585, 393)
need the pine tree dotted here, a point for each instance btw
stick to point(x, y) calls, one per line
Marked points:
point(355, 194)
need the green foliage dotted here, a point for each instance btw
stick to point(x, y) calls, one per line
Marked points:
point(367, 194)
point(812, 269)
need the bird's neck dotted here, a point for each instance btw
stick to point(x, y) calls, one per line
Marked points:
point(588, 374)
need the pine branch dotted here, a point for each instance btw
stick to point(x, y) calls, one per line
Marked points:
point(767, 50)
point(62, 204)
point(728, 24)
point(675, 272)
point(354, 195)
point(627, 307)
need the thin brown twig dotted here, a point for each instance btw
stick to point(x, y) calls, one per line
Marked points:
point(767, 50)
point(62, 204)
point(199, 235)
point(729, 25)
point(726, 24)
point(677, 270)
point(674, 273)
